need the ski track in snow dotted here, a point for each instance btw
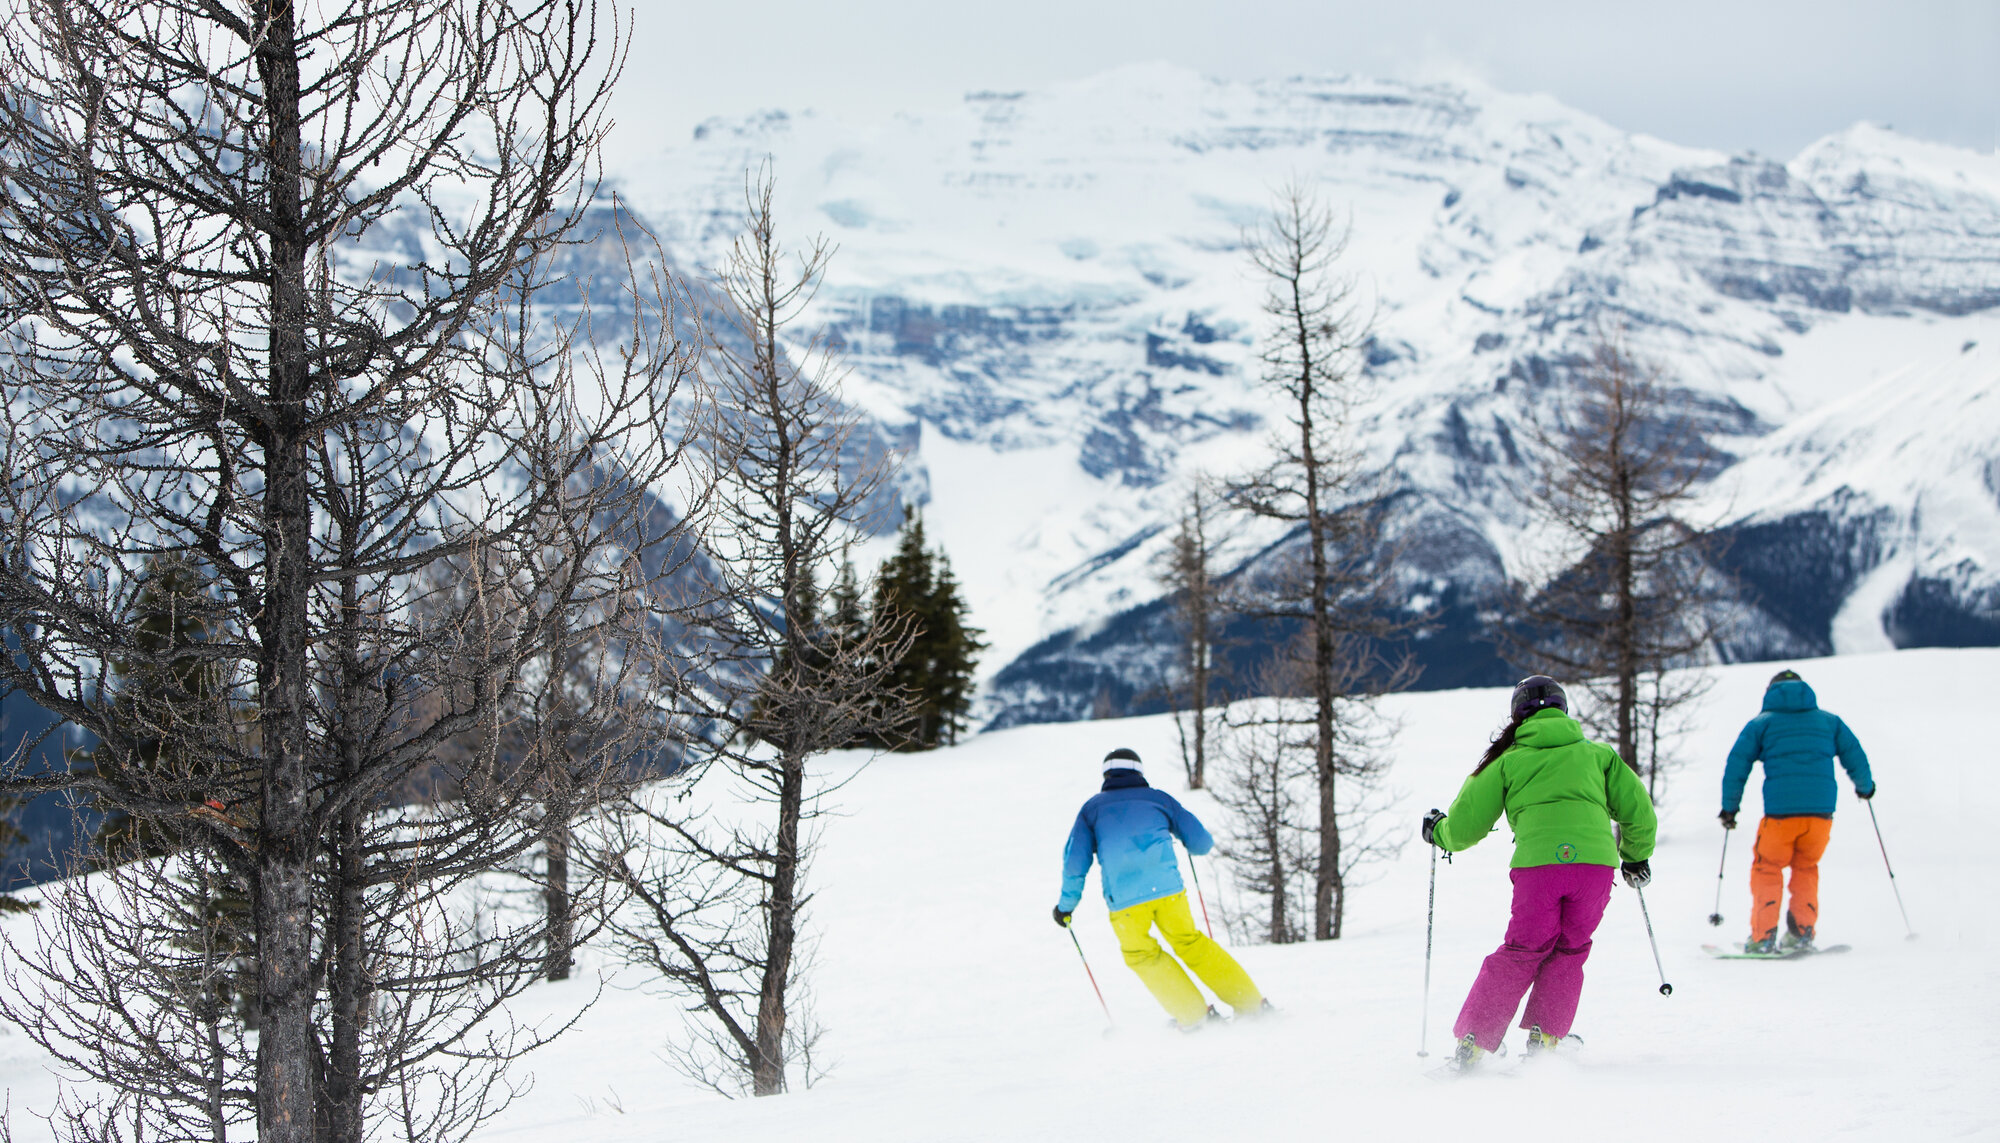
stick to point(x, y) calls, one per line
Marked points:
point(956, 1011)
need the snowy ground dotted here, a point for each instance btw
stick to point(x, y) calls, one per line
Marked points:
point(956, 1011)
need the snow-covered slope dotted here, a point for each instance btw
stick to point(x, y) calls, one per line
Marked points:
point(1045, 294)
point(1905, 472)
point(956, 1011)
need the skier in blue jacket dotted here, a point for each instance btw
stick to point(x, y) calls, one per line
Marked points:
point(1129, 828)
point(1797, 743)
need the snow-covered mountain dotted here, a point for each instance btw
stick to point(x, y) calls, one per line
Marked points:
point(1044, 296)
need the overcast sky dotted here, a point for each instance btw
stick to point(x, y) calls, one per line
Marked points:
point(1763, 75)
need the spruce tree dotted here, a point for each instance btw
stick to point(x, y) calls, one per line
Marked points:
point(162, 691)
point(916, 586)
point(11, 838)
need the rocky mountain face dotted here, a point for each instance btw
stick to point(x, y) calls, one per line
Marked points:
point(1044, 303)
point(1044, 298)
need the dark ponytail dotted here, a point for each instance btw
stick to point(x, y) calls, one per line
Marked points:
point(1501, 741)
point(1531, 695)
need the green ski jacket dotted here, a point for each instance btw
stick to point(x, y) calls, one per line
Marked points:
point(1561, 792)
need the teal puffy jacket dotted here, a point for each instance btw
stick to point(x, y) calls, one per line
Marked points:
point(1797, 742)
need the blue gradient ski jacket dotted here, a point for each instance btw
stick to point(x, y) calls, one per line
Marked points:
point(1130, 829)
point(1797, 742)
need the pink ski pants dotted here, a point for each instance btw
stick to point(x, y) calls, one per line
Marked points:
point(1556, 909)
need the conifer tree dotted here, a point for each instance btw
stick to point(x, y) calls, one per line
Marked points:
point(11, 838)
point(169, 696)
point(165, 689)
point(916, 585)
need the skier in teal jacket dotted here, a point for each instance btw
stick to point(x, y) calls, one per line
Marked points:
point(1797, 743)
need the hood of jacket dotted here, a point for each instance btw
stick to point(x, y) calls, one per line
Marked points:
point(1548, 728)
point(1122, 779)
point(1790, 695)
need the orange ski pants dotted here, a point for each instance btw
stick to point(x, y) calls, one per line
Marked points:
point(1796, 843)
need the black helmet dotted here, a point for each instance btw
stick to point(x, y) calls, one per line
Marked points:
point(1537, 692)
point(1785, 676)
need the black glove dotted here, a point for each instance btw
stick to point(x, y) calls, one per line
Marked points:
point(1638, 874)
point(1062, 916)
point(1431, 821)
point(1728, 819)
point(1866, 796)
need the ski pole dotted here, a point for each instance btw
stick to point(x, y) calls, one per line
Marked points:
point(1198, 896)
point(1665, 988)
point(1892, 870)
point(1093, 977)
point(1430, 923)
point(1715, 918)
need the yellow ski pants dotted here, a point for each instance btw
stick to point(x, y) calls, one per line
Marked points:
point(1168, 984)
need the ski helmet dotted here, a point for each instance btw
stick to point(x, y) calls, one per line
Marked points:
point(1123, 758)
point(1785, 676)
point(1537, 692)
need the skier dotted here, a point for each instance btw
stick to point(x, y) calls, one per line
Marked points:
point(1797, 743)
point(1561, 792)
point(1129, 827)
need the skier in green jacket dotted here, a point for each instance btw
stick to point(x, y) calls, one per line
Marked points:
point(1561, 793)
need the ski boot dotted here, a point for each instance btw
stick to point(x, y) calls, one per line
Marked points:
point(1797, 938)
point(1764, 946)
point(1540, 1042)
point(1213, 1017)
point(1467, 1055)
point(1263, 1010)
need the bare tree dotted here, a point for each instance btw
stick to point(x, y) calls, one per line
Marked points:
point(278, 284)
point(717, 876)
point(1272, 841)
point(1188, 573)
point(1270, 781)
point(1337, 584)
point(148, 1012)
point(1631, 592)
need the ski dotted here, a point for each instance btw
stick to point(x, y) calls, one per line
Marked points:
point(1719, 952)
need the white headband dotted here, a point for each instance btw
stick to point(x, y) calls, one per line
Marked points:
point(1111, 764)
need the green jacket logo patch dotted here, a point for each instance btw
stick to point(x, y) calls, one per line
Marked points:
point(1565, 853)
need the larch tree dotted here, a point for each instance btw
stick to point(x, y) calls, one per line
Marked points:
point(716, 867)
point(1631, 592)
point(1334, 584)
point(1187, 571)
point(278, 284)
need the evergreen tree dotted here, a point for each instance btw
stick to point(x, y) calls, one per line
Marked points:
point(916, 587)
point(164, 691)
point(849, 618)
point(169, 698)
point(11, 838)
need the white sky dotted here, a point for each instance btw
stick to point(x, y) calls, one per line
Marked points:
point(1764, 75)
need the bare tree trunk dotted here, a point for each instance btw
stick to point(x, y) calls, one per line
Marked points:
point(1189, 580)
point(1627, 635)
point(1201, 605)
point(285, 852)
point(556, 901)
point(1327, 890)
point(348, 989)
point(769, 1075)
